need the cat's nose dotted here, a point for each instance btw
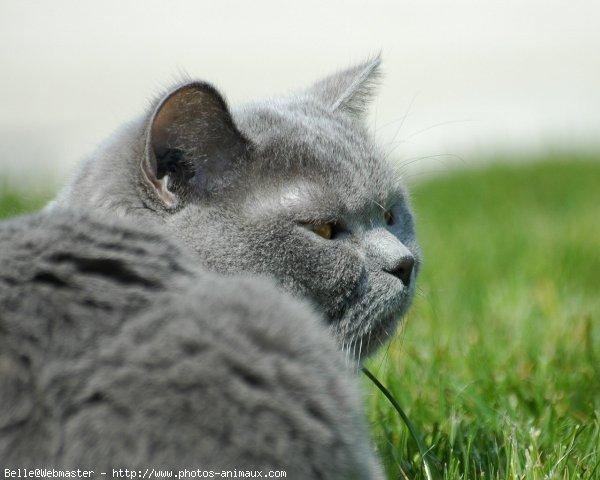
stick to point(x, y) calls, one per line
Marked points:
point(403, 269)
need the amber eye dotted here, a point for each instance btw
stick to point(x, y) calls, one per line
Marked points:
point(388, 217)
point(324, 230)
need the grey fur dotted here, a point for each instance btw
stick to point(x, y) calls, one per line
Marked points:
point(117, 351)
point(160, 360)
point(311, 158)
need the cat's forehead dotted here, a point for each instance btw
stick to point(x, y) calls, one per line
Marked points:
point(296, 139)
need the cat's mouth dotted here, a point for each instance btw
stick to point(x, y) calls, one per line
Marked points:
point(367, 324)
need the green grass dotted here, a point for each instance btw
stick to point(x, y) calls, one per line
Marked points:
point(13, 201)
point(498, 364)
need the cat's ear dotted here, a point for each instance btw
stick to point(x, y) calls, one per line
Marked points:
point(349, 90)
point(192, 144)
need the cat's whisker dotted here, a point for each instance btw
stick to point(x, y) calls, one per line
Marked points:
point(377, 203)
point(436, 125)
point(360, 352)
point(403, 119)
point(421, 293)
point(412, 160)
point(425, 173)
point(424, 130)
point(345, 352)
point(403, 169)
point(348, 354)
point(385, 354)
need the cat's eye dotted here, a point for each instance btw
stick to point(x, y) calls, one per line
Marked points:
point(388, 216)
point(324, 230)
point(327, 230)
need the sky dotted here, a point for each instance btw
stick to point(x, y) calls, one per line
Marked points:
point(463, 79)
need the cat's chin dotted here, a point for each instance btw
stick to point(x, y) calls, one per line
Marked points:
point(380, 327)
point(383, 330)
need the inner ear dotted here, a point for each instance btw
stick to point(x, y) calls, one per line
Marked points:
point(192, 144)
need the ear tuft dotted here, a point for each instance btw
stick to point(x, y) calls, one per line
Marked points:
point(350, 90)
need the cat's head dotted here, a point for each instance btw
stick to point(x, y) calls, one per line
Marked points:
point(294, 189)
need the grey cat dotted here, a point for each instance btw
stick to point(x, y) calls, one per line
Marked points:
point(293, 190)
point(117, 351)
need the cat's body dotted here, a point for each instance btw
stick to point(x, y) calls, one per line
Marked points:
point(116, 351)
point(291, 189)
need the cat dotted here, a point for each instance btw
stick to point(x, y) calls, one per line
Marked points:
point(118, 351)
point(293, 188)
point(297, 226)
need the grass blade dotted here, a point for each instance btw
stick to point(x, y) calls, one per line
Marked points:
point(405, 419)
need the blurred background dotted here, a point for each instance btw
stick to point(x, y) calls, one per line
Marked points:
point(492, 111)
point(464, 79)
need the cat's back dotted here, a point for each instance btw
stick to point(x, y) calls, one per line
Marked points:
point(68, 282)
point(71, 271)
point(116, 349)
